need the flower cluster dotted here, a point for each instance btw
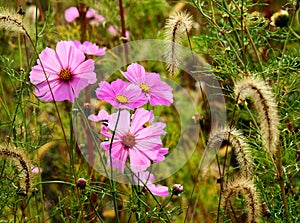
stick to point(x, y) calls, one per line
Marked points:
point(62, 73)
point(134, 135)
point(143, 87)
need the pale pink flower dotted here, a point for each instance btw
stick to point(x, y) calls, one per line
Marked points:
point(101, 116)
point(134, 138)
point(114, 32)
point(71, 14)
point(161, 155)
point(89, 48)
point(36, 170)
point(146, 178)
point(67, 72)
point(94, 16)
point(157, 91)
point(121, 94)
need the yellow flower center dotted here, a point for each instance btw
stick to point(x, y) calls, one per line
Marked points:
point(145, 88)
point(128, 140)
point(65, 75)
point(147, 124)
point(122, 99)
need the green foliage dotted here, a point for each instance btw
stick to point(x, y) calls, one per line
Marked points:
point(234, 37)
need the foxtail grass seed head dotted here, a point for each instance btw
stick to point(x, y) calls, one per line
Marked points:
point(12, 21)
point(176, 27)
point(22, 163)
point(264, 103)
point(239, 145)
point(246, 187)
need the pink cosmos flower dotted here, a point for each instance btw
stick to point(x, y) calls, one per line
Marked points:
point(94, 16)
point(72, 13)
point(67, 71)
point(36, 170)
point(157, 91)
point(121, 94)
point(161, 155)
point(146, 178)
point(89, 48)
point(102, 116)
point(113, 31)
point(142, 143)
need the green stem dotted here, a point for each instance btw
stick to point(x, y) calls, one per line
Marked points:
point(112, 182)
point(281, 184)
point(96, 143)
point(71, 168)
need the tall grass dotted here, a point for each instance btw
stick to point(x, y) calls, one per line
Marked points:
point(255, 174)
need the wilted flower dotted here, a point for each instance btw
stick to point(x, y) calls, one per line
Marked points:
point(67, 72)
point(280, 18)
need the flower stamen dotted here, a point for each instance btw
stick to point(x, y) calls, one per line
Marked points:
point(65, 75)
point(145, 88)
point(122, 99)
point(129, 140)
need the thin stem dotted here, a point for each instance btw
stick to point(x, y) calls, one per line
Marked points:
point(83, 23)
point(198, 6)
point(281, 184)
point(55, 105)
point(230, 17)
point(279, 157)
point(123, 30)
point(242, 36)
point(72, 163)
point(286, 41)
point(94, 208)
point(255, 49)
point(112, 182)
point(224, 164)
point(96, 143)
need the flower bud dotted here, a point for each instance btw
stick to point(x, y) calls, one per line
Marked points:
point(81, 183)
point(177, 189)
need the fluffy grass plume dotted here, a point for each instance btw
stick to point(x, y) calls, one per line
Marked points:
point(240, 147)
point(264, 102)
point(246, 187)
point(21, 163)
point(176, 27)
point(12, 21)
